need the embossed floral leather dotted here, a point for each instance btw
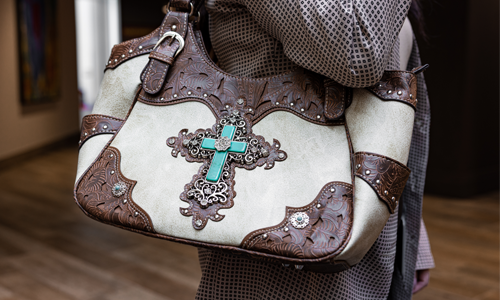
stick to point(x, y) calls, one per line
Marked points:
point(262, 167)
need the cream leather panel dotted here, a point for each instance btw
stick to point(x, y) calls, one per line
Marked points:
point(316, 155)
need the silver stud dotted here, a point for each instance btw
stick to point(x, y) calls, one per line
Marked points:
point(227, 106)
point(386, 192)
point(368, 172)
point(318, 205)
point(171, 141)
point(250, 109)
point(291, 104)
point(136, 214)
point(130, 51)
point(377, 181)
point(205, 95)
point(116, 60)
point(186, 211)
point(125, 201)
point(264, 236)
point(285, 229)
point(112, 172)
point(389, 92)
point(198, 223)
point(80, 141)
point(174, 27)
point(189, 93)
point(175, 95)
point(240, 101)
point(299, 267)
point(109, 62)
point(393, 198)
point(111, 155)
point(277, 103)
point(380, 85)
point(302, 110)
point(140, 47)
point(216, 216)
point(332, 190)
point(400, 93)
point(281, 155)
point(85, 134)
point(123, 55)
point(105, 127)
point(318, 117)
point(93, 129)
point(358, 166)
point(411, 96)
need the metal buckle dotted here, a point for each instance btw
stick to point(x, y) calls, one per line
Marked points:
point(173, 35)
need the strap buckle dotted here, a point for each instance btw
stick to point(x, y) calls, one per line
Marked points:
point(173, 35)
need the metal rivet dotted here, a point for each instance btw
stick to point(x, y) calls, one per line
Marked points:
point(112, 172)
point(140, 47)
point(332, 190)
point(264, 236)
point(380, 85)
point(123, 55)
point(171, 141)
point(111, 155)
point(189, 93)
point(198, 223)
point(249, 109)
point(186, 211)
point(125, 201)
point(291, 104)
point(377, 181)
point(277, 103)
point(368, 172)
point(80, 141)
point(130, 51)
point(400, 92)
point(318, 117)
point(93, 129)
point(174, 27)
point(136, 214)
point(389, 92)
point(85, 134)
point(205, 95)
point(302, 109)
point(299, 267)
point(411, 96)
point(216, 216)
point(227, 106)
point(175, 95)
point(116, 60)
point(318, 206)
point(109, 62)
point(285, 229)
point(105, 127)
point(393, 198)
point(358, 166)
point(281, 155)
point(162, 99)
point(386, 192)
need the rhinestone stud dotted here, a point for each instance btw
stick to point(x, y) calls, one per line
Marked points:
point(368, 172)
point(281, 155)
point(119, 189)
point(171, 141)
point(240, 101)
point(299, 220)
point(198, 223)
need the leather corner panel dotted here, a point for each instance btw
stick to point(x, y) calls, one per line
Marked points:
point(98, 124)
point(385, 175)
point(397, 86)
point(104, 193)
point(319, 230)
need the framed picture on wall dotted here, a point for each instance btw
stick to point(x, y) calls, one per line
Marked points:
point(38, 51)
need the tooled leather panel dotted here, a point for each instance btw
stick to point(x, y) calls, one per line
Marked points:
point(205, 197)
point(139, 46)
point(95, 124)
point(335, 99)
point(106, 194)
point(154, 74)
point(323, 235)
point(398, 86)
point(194, 77)
point(385, 175)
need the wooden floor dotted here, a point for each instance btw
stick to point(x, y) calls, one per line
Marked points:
point(49, 250)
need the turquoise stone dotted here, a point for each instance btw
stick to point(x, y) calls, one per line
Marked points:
point(117, 188)
point(220, 156)
point(299, 218)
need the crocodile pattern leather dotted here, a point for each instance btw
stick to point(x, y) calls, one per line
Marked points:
point(385, 175)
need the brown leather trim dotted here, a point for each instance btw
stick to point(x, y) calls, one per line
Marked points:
point(335, 99)
point(397, 86)
point(154, 74)
point(325, 234)
point(385, 175)
point(95, 124)
point(181, 4)
point(106, 194)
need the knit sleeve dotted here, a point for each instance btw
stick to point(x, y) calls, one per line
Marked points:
point(425, 260)
point(348, 41)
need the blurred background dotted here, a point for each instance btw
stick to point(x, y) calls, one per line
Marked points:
point(52, 60)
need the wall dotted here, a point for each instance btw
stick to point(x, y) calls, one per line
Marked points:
point(20, 130)
point(463, 89)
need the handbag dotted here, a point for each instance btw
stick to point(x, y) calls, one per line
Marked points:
point(293, 169)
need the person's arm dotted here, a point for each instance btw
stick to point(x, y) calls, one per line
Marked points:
point(347, 41)
point(425, 260)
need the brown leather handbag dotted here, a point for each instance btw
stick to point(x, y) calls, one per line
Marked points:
point(294, 169)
